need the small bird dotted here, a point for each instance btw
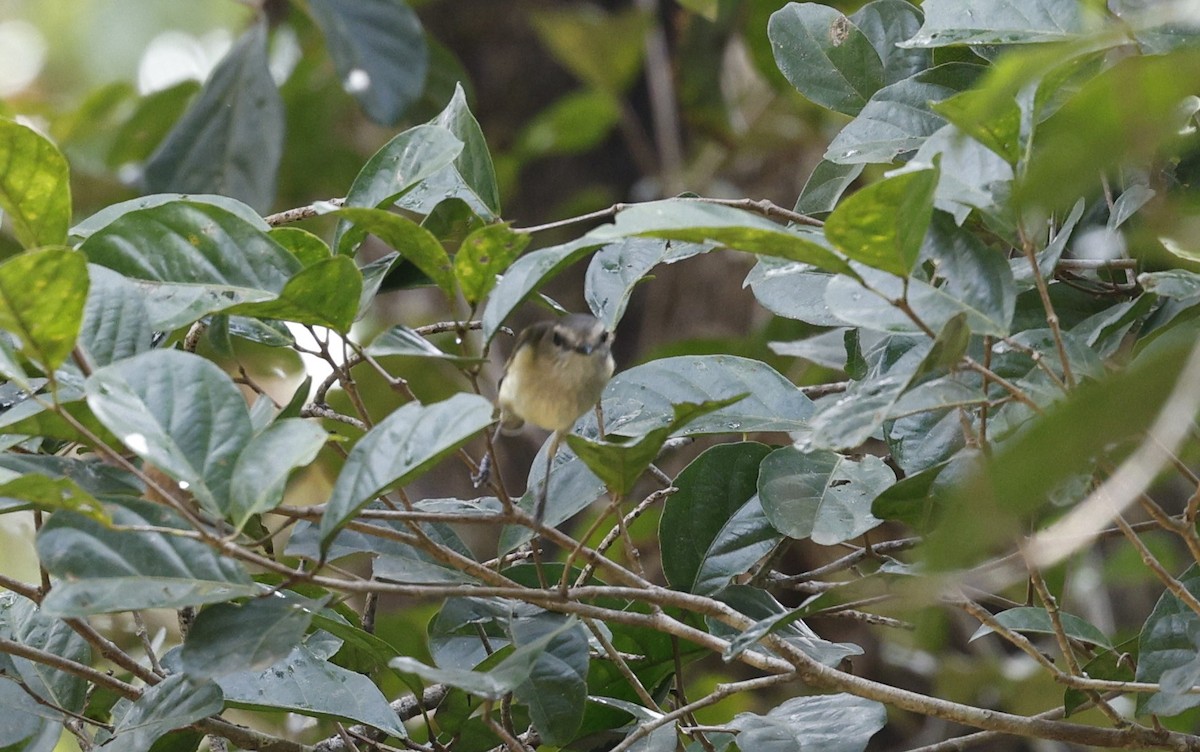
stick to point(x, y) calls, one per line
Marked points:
point(555, 374)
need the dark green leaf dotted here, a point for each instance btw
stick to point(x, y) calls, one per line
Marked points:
point(699, 222)
point(42, 297)
point(230, 140)
point(108, 214)
point(102, 570)
point(526, 275)
point(115, 324)
point(988, 22)
point(180, 412)
point(883, 225)
point(972, 177)
point(618, 267)
point(471, 177)
point(556, 688)
point(379, 51)
point(900, 117)
point(35, 194)
point(885, 23)
point(1027, 619)
point(773, 618)
point(399, 448)
point(911, 500)
point(208, 258)
point(415, 243)
point(23, 622)
point(828, 723)
point(175, 702)
point(620, 464)
point(713, 529)
point(825, 186)
point(483, 255)
point(1000, 133)
point(230, 637)
point(792, 290)
point(304, 683)
point(396, 168)
point(642, 399)
point(573, 487)
point(1063, 442)
point(261, 471)
point(306, 247)
point(1169, 651)
point(825, 56)
point(821, 495)
point(400, 340)
point(152, 118)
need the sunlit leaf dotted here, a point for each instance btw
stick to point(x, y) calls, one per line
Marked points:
point(35, 194)
point(42, 298)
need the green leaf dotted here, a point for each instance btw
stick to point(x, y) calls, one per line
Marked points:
point(400, 340)
point(713, 528)
point(643, 398)
point(1063, 442)
point(545, 671)
point(986, 22)
point(825, 56)
point(23, 622)
point(35, 192)
point(1027, 619)
point(972, 177)
point(52, 494)
point(483, 255)
point(620, 464)
point(792, 290)
point(883, 225)
point(180, 412)
point(42, 297)
point(108, 214)
point(472, 176)
point(575, 123)
point(821, 495)
point(227, 638)
point(556, 689)
point(913, 500)
point(116, 324)
point(829, 723)
point(900, 117)
point(825, 186)
point(886, 23)
point(397, 168)
point(399, 448)
point(773, 618)
point(173, 703)
point(153, 116)
point(261, 471)
point(415, 243)
point(1169, 652)
point(304, 683)
point(526, 275)
point(602, 49)
point(379, 51)
point(1128, 112)
point(230, 140)
point(618, 267)
point(573, 487)
point(306, 247)
point(103, 570)
point(209, 258)
point(324, 293)
point(1001, 133)
point(699, 222)
point(846, 422)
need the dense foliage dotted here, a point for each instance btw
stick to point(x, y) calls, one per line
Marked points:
point(993, 266)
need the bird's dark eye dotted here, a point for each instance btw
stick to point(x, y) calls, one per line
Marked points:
point(604, 337)
point(558, 340)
